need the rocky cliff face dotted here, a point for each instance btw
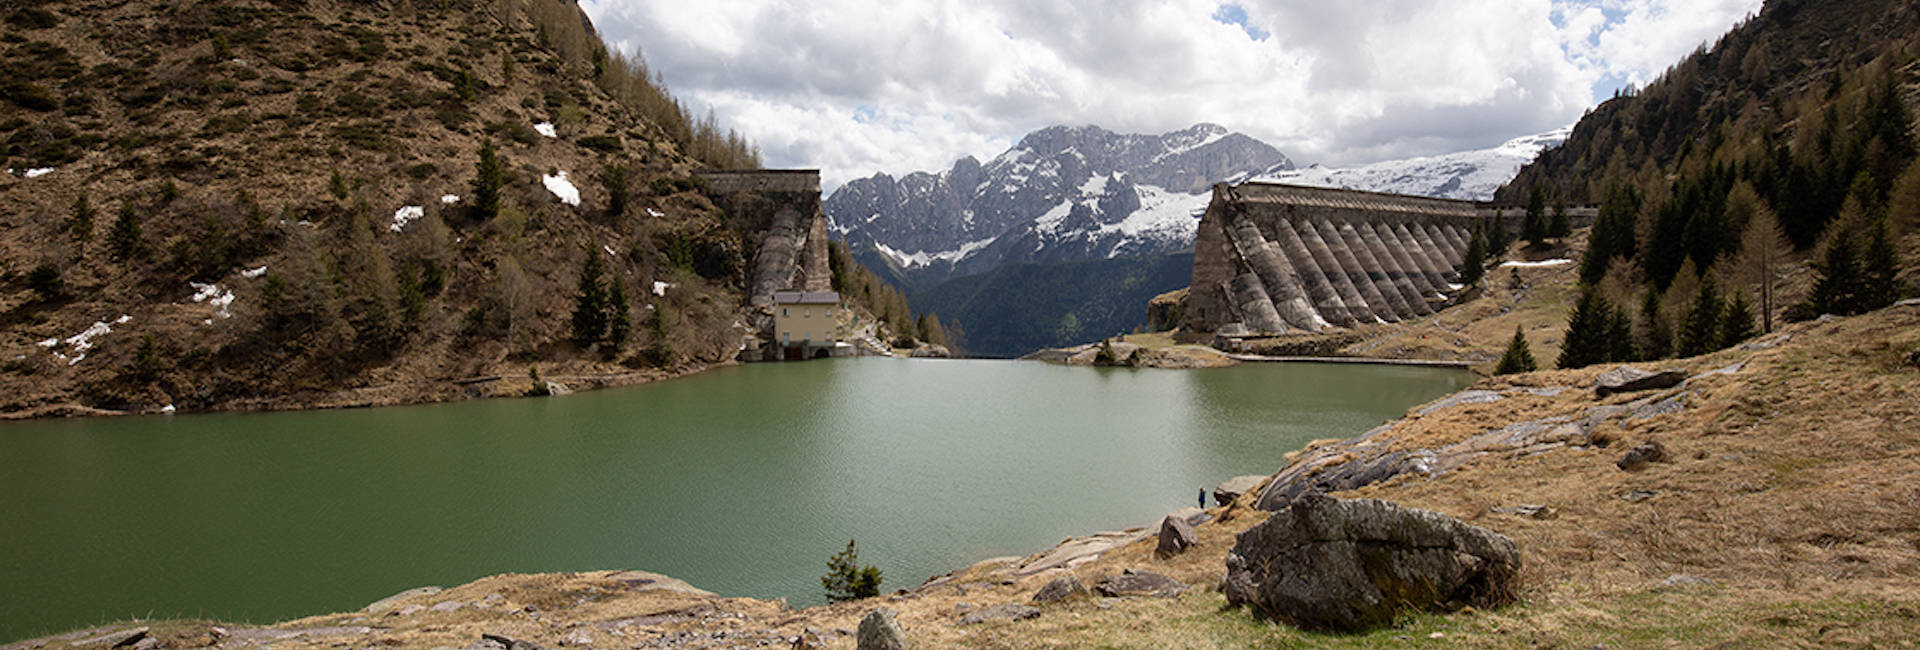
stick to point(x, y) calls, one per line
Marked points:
point(1062, 194)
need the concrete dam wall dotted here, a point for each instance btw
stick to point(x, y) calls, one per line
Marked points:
point(782, 206)
point(1273, 259)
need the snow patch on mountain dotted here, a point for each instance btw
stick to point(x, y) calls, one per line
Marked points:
point(1469, 175)
point(920, 259)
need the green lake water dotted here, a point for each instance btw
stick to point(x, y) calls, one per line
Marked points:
point(741, 481)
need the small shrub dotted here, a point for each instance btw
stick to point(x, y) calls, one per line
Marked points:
point(45, 281)
point(33, 18)
point(422, 171)
point(30, 96)
point(847, 580)
point(601, 143)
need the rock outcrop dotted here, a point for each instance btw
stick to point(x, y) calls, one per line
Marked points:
point(1006, 612)
point(1134, 582)
point(1628, 379)
point(879, 631)
point(1227, 491)
point(1176, 536)
point(1061, 588)
point(1348, 565)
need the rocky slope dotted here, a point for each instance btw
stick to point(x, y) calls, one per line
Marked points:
point(245, 204)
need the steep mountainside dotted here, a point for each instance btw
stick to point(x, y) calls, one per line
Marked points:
point(248, 203)
point(1782, 65)
point(1063, 194)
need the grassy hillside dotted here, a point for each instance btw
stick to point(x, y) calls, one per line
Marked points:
point(242, 203)
point(1020, 308)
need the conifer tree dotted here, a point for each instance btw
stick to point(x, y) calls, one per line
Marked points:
point(1586, 342)
point(1840, 287)
point(489, 176)
point(1656, 340)
point(847, 580)
point(80, 222)
point(1518, 357)
point(619, 320)
point(617, 193)
point(1560, 225)
point(1498, 240)
point(1533, 226)
point(1474, 265)
point(1879, 284)
point(123, 239)
point(590, 304)
point(1702, 328)
point(1763, 247)
point(1736, 325)
point(1620, 336)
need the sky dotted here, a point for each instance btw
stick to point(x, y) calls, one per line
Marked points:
point(855, 87)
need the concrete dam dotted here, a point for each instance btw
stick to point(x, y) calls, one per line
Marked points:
point(1274, 259)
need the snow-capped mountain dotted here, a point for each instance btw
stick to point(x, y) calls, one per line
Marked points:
point(1471, 175)
point(1067, 194)
point(1062, 194)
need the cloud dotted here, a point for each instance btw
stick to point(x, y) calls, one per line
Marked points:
point(861, 86)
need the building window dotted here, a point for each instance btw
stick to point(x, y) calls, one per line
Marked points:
point(807, 312)
point(783, 312)
point(786, 339)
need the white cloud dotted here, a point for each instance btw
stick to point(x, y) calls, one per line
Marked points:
point(861, 86)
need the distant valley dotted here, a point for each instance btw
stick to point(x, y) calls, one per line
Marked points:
point(1068, 195)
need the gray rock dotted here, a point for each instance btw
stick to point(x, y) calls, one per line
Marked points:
point(1353, 474)
point(1006, 612)
point(808, 640)
point(1327, 563)
point(1530, 510)
point(1680, 580)
point(1061, 588)
point(1193, 516)
point(577, 638)
point(1461, 398)
point(115, 639)
point(1232, 488)
point(879, 631)
point(384, 605)
point(1134, 582)
point(931, 352)
point(447, 606)
point(1766, 343)
point(1666, 406)
point(510, 643)
point(1175, 538)
point(1637, 496)
point(1627, 379)
point(1639, 457)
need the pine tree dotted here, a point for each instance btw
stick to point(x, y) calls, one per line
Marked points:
point(1498, 240)
point(847, 580)
point(1474, 266)
point(1702, 328)
point(1586, 342)
point(1533, 226)
point(1840, 287)
point(1560, 225)
point(146, 361)
point(1736, 324)
point(619, 318)
point(489, 176)
point(590, 305)
point(1879, 284)
point(80, 222)
point(617, 193)
point(1518, 358)
point(123, 238)
point(1620, 336)
point(1656, 339)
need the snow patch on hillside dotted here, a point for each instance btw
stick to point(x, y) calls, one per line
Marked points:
point(924, 258)
point(562, 188)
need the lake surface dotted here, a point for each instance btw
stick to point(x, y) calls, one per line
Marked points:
point(742, 481)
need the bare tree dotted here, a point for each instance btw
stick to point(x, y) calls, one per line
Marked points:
point(1763, 247)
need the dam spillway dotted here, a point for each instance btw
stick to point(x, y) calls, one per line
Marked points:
point(1272, 258)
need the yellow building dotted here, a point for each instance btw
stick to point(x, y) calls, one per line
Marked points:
point(803, 318)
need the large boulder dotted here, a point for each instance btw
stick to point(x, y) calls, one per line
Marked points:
point(1232, 488)
point(1348, 565)
point(1176, 536)
point(1627, 379)
point(1061, 588)
point(1134, 582)
point(878, 631)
